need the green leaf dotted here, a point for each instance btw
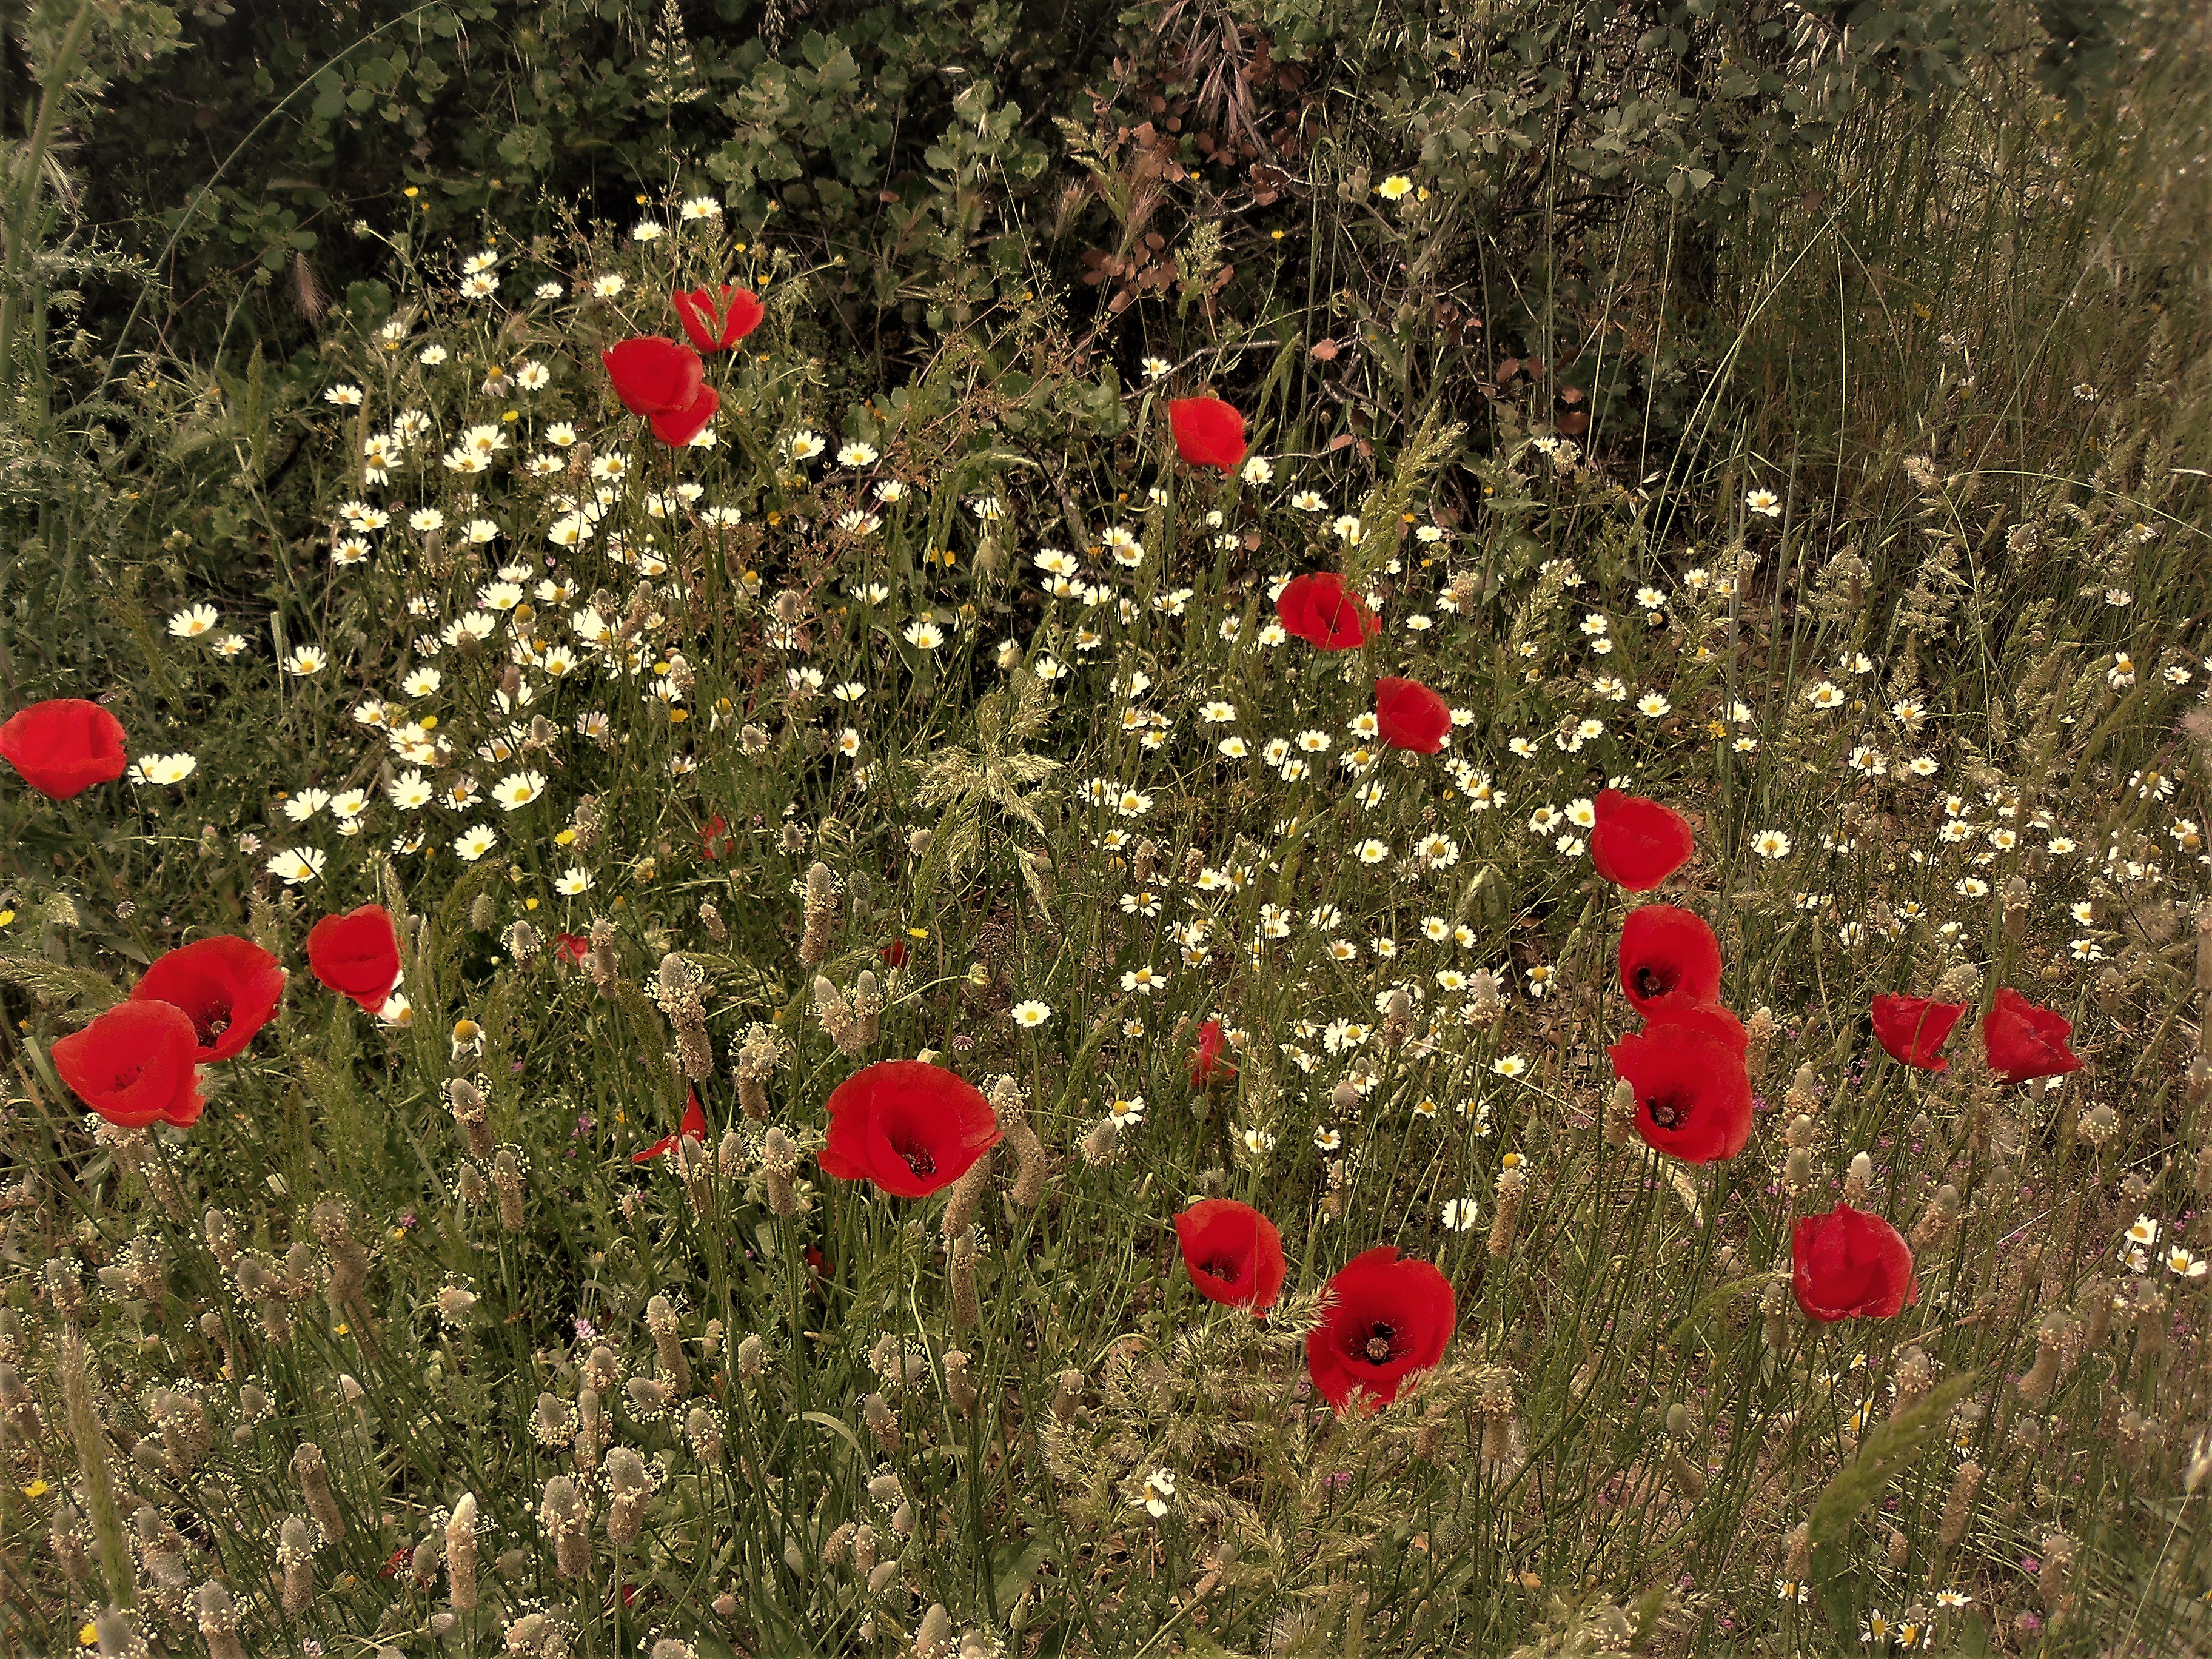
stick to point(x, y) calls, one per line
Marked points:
point(844, 1431)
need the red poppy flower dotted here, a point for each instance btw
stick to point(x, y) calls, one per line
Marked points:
point(1669, 957)
point(134, 1065)
point(574, 947)
point(226, 987)
point(909, 1127)
point(356, 955)
point(1692, 1093)
point(694, 1128)
point(1233, 1254)
point(1638, 843)
point(2026, 1042)
point(1708, 1017)
point(677, 427)
point(664, 381)
point(652, 374)
point(1912, 1029)
point(716, 318)
point(1408, 715)
point(1207, 432)
point(714, 838)
point(1207, 1064)
point(1320, 610)
point(1385, 1319)
point(1850, 1265)
point(894, 954)
point(63, 747)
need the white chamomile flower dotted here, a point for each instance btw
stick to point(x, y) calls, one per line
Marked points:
point(1159, 1489)
point(193, 621)
point(163, 769)
point(518, 789)
point(297, 865)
